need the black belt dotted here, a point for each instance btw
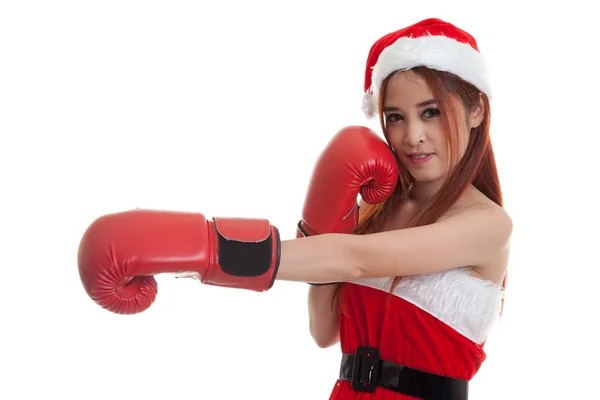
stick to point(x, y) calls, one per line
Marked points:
point(367, 371)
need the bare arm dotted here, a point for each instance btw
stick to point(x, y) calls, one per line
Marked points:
point(472, 238)
point(323, 315)
point(323, 310)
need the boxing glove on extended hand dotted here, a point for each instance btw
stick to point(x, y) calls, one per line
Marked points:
point(120, 253)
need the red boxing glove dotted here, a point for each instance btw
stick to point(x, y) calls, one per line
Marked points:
point(120, 253)
point(355, 161)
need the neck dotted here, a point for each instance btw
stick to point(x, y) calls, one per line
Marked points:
point(422, 192)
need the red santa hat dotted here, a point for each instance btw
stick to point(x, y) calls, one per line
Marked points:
point(432, 43)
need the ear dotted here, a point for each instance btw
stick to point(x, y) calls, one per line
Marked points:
point(476, 116)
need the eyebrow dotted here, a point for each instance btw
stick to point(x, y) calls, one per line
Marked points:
point(419, 105)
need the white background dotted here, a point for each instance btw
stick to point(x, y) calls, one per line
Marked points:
point(223, 109)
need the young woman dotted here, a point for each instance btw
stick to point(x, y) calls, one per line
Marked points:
point(422, 277)
point(443, 234)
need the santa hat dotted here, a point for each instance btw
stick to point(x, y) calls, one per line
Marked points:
point(432, 43)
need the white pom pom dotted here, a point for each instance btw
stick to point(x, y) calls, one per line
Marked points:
point(369, 105)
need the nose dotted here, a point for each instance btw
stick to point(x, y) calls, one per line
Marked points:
point(415, 133)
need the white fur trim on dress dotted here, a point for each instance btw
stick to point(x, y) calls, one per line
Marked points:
point(467, 304)
point(436, 52)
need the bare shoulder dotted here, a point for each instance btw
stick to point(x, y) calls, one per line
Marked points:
point(502, 222)
point(473, 201)
point(492, 221)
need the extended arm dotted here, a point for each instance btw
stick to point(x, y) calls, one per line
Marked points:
point(471, 238)
point(120, 253)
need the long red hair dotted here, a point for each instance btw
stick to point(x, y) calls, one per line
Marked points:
point(477, 166)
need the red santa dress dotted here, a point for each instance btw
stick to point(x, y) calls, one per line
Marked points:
point(435, 323)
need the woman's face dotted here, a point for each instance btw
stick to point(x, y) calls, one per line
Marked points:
point(415, 130)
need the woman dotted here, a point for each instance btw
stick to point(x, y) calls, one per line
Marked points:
point(445, 217)
point(424, 272)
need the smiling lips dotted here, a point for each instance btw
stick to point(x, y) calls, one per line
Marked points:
point(419, 158)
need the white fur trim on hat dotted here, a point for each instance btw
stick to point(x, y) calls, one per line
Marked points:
point(435, 52)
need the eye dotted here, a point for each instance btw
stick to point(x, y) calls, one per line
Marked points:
point(393, 118)
point(431, 112)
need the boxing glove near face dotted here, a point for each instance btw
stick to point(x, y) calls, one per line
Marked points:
point(119, 254)
point(356, 161)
